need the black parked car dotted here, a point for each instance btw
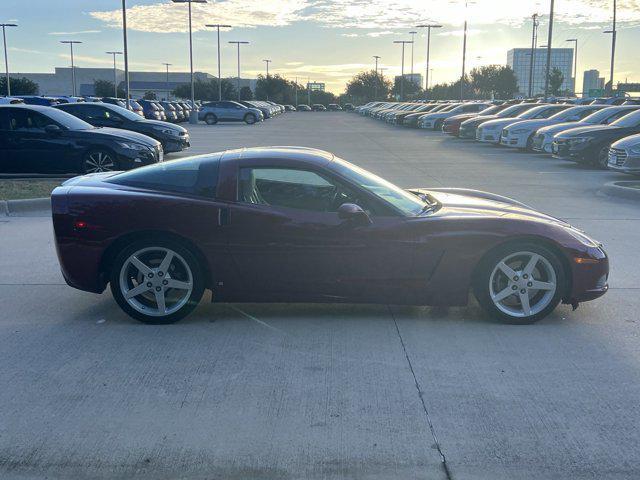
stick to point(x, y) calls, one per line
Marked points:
point(334, 107)
point(37, 139)
point(172, 137)
point(349, 106)
point(36, 100)
point(115, 101)
point(318, 107)
point(151, 110)
point(591, 144)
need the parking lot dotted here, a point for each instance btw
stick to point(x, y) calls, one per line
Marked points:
point(330, 391)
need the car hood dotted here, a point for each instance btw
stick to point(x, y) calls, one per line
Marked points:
point(160, 123)
point(560, 127)
point(458, 202)
point(124, 135)
point(530, 124)
point(628, 142)
point(431, 116)
point(461, 117)
point(588, 130)
point(480, 119)
point(499, 122)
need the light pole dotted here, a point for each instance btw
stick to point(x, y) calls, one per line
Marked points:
point(126, 54)
point(167, 65)
point(549, 42)
point(614, 35)
point(73, 68)
point(575, 64)
point(193, 117)
point(534, 42)
point(219, 26)
point(413, 34)
point(403, 42)
point(296, 92)
point(267, 61)
point(115, 74)
point(428, 27)
point(238, 43)
point(6, 58)
point(375, 85)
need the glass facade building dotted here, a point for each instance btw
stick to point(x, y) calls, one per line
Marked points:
point(519, 59)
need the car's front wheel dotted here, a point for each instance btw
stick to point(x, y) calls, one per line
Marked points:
point(520, 283)
point(156, 281)
point(99, 160)
point(603, 157)
point(210, 119)
point(249, 119)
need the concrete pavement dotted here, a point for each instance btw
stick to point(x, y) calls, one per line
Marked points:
point(323, 391)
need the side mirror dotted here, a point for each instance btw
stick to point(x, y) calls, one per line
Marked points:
point(53, 129)
point(353, 214)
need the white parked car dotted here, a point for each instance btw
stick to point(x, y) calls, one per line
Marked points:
point(434, 121)
point(624, 155)
point(489, 132)
point(520, 134)
point(10, 100)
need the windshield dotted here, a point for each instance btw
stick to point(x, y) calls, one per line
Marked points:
point(402, 200)
point(514, 110)
point(631, 120)
point(491, 110)
point(123, 112)
point(607, 113)
point(67, 120)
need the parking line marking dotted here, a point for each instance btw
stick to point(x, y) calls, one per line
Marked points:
point(251, 317)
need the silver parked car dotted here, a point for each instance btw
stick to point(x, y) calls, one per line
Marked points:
point(227, 111)
point(624, 155)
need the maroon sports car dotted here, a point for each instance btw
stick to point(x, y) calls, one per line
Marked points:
point(292, 224)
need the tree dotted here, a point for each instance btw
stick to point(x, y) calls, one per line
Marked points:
point(105, 88)
point(410, 89)
point(450, 91)
point(556, 79)
point(207, 90)
point(19, 86)
point(150, 95)
point(493, 80)
point(246, 93)
point(367, 86)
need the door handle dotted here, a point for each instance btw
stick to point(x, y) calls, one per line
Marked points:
point(224, 217)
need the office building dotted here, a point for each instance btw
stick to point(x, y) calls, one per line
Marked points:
point(591, 81)
point(519, 59)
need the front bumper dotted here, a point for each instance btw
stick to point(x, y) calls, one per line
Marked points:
point(467, 132)
point(542, 143)
point(508, 139)
point(451, 129)
point(623, 161)
point(564, 150)
point(590, 274)
point(488, 136)
point(129, 158)
point(178, 144)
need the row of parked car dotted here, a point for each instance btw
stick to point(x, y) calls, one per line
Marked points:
point(603, 132)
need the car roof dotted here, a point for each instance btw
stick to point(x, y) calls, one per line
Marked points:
point(303, 154)
point(38, 108)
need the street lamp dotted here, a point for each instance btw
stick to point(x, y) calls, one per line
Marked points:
point(6, 58)
point(428, 27)
point(167, 65)
point(193, 117)
point(534, 42)
point(238, 43)
point(126, 54)
point(219, 26)
point(115, 75)
point(375, 85)
point(549, 42)
point(575, 64)
point(267, 61)
point(403, 42)
point(614, 36)
point(413, 34)
point(73, 68)
point(464, 49)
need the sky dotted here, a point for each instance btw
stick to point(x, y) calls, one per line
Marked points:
point(321, 40)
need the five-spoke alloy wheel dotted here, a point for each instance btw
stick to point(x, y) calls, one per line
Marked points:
point(158, 282)
point(520, 283)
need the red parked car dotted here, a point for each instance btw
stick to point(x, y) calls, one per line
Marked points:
point(451, 125)
point(292, 224)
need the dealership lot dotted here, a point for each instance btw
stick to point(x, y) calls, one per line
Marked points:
point(330, 391)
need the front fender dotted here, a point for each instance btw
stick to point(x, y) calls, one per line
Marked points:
point(474, 193)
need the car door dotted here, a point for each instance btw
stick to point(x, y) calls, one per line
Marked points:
point(4, 137)
point(31, 148)
point(287, 241)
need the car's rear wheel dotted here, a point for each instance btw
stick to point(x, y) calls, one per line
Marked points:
point(249, 119)
point(520, 283)
point(99, 160)
point(156, 282)
point(210, 119)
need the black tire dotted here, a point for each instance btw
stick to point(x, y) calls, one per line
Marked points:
point(529, 147)
point(250, 119)
point(481, 281)
point(438, 125)
point(99, 160)
point(189, 258)
point(210, 119)
point(602, 160)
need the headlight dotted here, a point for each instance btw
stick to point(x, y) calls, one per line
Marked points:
point(167, 131)
point(520, 131)
point(583, 238)
point(133, 146)
point(490, 127)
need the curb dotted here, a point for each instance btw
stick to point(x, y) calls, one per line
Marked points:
point(32, 207)
point(619, 189)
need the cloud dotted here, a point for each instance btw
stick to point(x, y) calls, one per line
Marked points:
point(25, 50)
point(460, 33)
point(349, 35)
point(81, 32)
point(381, 34)
point(170, 17)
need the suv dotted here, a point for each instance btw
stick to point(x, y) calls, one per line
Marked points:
point(228, 111)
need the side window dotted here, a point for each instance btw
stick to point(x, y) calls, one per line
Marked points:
point(28, 121)
point(292, 188)
point(618, 115)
